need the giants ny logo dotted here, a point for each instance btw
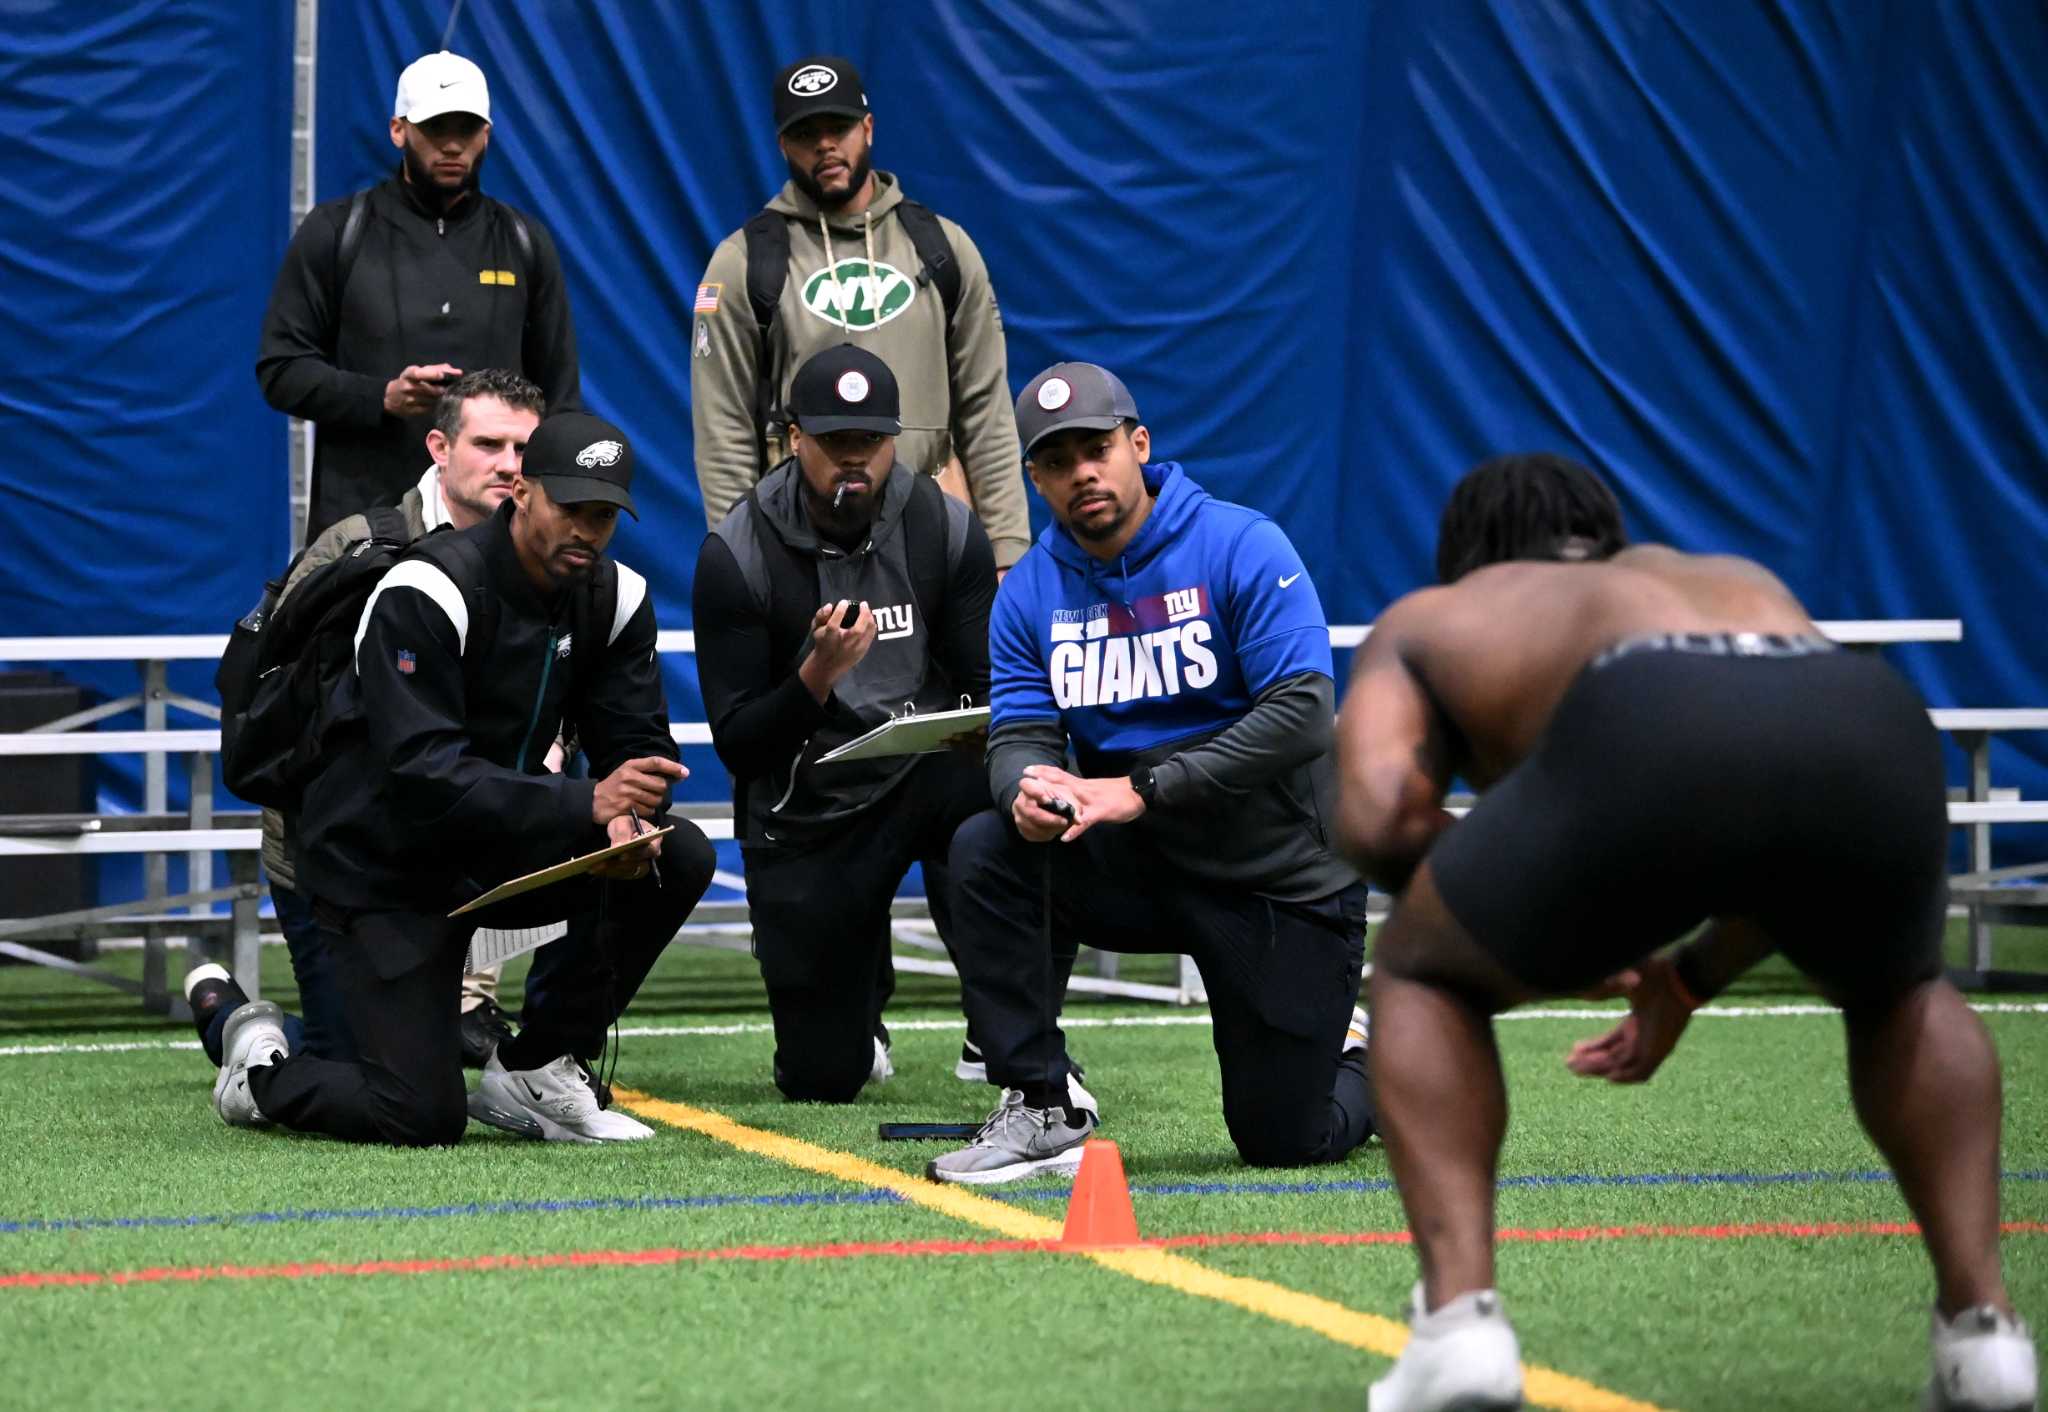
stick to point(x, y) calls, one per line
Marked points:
point(1114, 652)
point(892, 622)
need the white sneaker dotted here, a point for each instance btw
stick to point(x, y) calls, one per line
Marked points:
point(253, 1034)
point(1462, 1358)
point(557, 1101)
point(1359, 1035)
point(970, 1068)
point(1983, 1362)
point(883, 1070)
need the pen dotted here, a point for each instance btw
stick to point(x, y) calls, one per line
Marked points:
point(638, 829)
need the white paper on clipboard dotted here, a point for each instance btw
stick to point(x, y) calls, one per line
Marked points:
point(574, 868)
point(910, 735)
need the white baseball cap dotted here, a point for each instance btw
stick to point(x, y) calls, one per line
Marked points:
point(441, 83)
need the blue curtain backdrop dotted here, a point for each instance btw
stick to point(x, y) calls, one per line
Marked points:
point(1777, 268)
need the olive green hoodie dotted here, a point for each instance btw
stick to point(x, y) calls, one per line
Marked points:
point(955, 387)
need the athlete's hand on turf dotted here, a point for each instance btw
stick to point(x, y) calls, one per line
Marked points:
point(635, 863)
point(836, 650)
point(1635, 1049)
point(418, 388)
point(638, 784)
point(1097, 801)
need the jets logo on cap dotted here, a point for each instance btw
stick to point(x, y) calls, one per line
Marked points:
point(600, 453)
point(853, 386)
point(1055, 394)
point(811, 80)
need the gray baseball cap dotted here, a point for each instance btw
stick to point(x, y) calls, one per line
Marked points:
point(1068, 395)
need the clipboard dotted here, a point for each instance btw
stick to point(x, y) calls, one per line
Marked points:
point(560, 872)
point(910, 735)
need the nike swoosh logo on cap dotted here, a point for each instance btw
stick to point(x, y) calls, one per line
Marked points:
point(1291, 577)
point(451, 83)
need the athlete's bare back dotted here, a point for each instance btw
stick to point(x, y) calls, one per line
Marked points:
point(1494, 652)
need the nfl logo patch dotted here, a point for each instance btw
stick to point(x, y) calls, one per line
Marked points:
point(707, 298)
point(406, 661)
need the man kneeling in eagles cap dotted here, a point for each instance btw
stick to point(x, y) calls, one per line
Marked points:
point(473, 652)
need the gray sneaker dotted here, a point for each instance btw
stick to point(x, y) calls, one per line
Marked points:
point(1018, 1142)
point(252, 1034)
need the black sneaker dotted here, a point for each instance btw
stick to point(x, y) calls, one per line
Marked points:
point(483, 1029)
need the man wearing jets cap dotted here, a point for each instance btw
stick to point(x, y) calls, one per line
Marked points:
point(472, 653)
point(842, 255)
point(842, 590)
point(1176, 643)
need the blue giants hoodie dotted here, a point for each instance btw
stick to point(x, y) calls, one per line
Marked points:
point(1161, 649)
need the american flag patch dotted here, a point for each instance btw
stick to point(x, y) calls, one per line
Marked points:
point(707, 298)
point(406, 661)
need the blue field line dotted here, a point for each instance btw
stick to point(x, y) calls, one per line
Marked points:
point(878, 1197)
point(469, 1208)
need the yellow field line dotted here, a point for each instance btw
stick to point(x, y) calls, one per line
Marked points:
point(1542, 1387)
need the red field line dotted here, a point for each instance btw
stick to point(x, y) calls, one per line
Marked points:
point(44, 1279)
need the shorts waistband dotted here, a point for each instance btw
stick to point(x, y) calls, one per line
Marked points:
point(1717, 644)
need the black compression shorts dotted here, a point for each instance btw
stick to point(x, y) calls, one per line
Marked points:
point(1688, 777)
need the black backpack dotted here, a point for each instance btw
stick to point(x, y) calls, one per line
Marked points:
point(281, 677)
point(768, 271)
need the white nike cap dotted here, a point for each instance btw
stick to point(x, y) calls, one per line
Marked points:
point(441, 83)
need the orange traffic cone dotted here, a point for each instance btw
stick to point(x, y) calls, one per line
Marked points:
point(1099, 1211)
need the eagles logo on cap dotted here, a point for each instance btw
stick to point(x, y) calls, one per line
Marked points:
point(578, 459)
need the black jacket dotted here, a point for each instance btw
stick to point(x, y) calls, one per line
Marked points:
point(416, 295)
point(442, 790)
point(753, 628)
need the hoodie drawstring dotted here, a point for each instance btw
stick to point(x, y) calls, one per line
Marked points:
point(838, 295)
point(867, 231)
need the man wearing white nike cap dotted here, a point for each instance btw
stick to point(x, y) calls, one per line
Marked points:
point(388, 295)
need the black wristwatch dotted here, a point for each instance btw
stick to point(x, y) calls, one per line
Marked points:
point(1143, 785)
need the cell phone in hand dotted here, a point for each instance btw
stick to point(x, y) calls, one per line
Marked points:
point(850, 617)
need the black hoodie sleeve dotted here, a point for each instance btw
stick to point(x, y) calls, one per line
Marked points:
point(760, 711)
point(960, 641)
point(295, 362)
point(622, 714)
point(547, 349)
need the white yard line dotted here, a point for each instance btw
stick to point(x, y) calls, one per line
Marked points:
point(1079, 1022)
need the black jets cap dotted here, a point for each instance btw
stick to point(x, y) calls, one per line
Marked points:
point(1068, 395)
point(579, 458)
point(844, 389)
point(824, 83)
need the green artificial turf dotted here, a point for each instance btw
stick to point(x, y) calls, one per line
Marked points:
point(88, 1138)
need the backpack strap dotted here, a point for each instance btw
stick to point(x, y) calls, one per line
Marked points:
point(767, 236)
point(464, 562)
point(388, 522)
point(349, 244)
point(521, 236)
point(926, 524)
point(941, 270)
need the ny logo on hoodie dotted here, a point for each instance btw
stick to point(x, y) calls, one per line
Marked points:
point(852, 294)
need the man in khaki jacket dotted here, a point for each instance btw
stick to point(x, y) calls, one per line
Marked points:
point(854, 272)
